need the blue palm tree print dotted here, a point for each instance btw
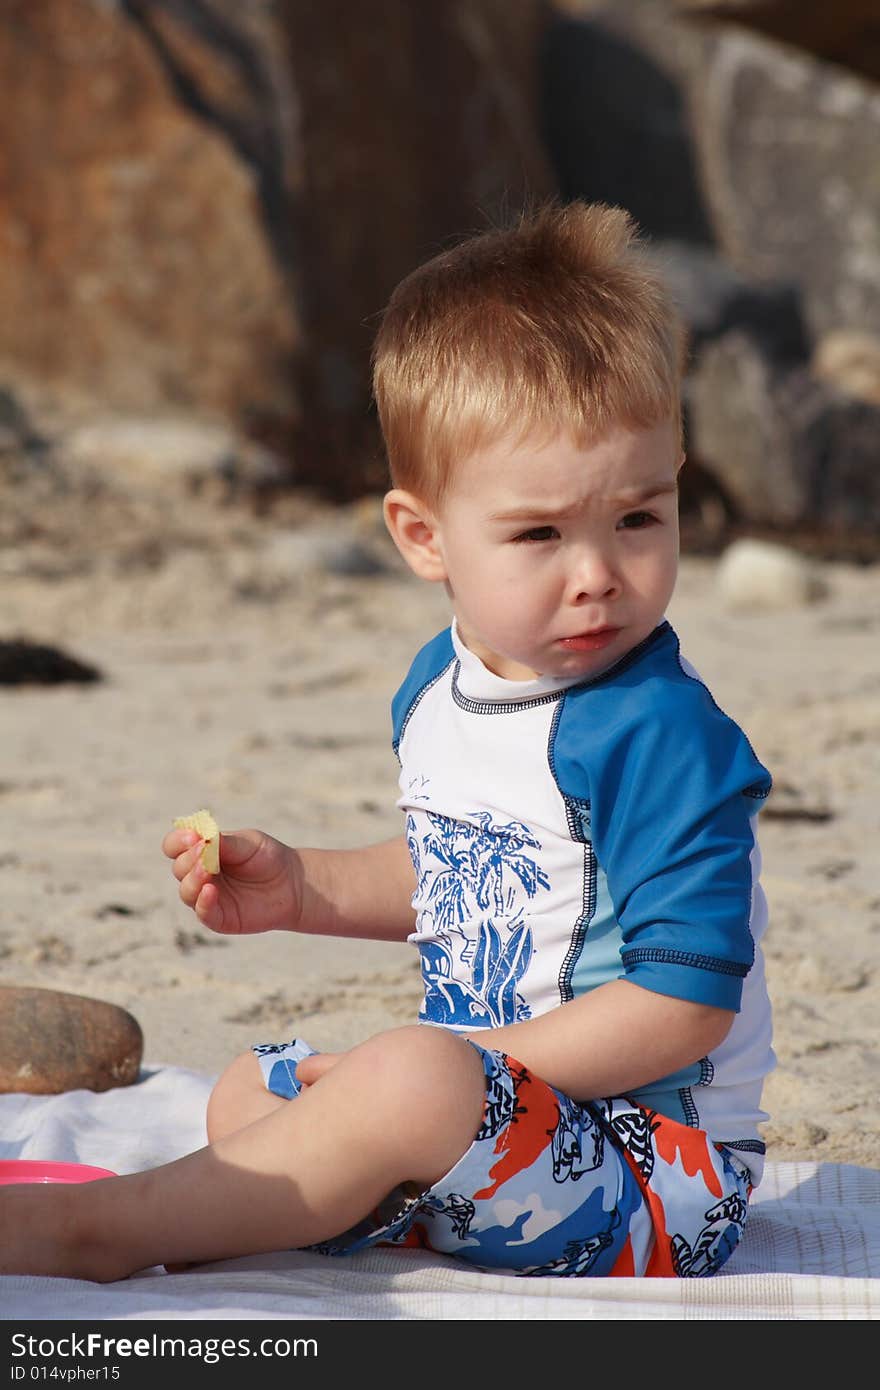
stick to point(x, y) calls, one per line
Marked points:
point(474, 881)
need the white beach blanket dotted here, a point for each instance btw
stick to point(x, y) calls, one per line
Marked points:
point(811, 1248)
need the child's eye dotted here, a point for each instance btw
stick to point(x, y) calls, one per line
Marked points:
point(538, 533)
point(634, 521)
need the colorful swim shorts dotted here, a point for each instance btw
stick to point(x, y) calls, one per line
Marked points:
point(553, 1186)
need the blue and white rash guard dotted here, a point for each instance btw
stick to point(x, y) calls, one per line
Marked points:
point(566, 833)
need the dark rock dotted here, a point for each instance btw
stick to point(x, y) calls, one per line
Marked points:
point(788, 448)
point(418, 124)
point(52, 1042)
point(35, 663)
point(616, 124)
point(713, 297)
point(17, 433)
point(835, 444)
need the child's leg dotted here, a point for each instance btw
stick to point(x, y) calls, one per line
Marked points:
point(401, 1107)
point(238, 1098)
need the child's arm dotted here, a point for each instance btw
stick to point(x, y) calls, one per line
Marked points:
point(613, 1040)
point(264, 885)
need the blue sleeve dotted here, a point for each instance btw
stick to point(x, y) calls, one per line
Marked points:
point(430, 663)
point(668, 785)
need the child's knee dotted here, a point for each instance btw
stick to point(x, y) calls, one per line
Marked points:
point(415, 1047)
point(429, 1073)
point(228, 1107)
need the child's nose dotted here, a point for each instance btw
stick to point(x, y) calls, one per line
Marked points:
point(593, 577)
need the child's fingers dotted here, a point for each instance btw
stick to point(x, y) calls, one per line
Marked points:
point(192, 876)
point(311, 1069)
point(187, 862)
point(207, 906)
point(176, 841)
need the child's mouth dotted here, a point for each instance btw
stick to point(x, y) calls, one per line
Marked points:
point(594, 641)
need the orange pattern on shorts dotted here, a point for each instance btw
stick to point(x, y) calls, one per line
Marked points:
point(520, 1145)
point(625, 1265)
point(694, 1152)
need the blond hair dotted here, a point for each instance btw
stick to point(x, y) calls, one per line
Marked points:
point(556, 323)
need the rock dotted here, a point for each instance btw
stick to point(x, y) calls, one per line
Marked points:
point(761, 574)
point(17, 434)
point(341, 544)
point(36, 663)
point(739, 434)
point(52, 1042)
point(138, 453)
point(136, 267)
point(851, 362)
point(204, 207)
point(834, 438)
point(787, 447)
point(844, 32)
point(616, 119)
point(788, 145)
point(713, 298)
point(777, 148)
point(129, 449)
point(418, 123)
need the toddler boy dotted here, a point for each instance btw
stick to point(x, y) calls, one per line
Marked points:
point(579, 867)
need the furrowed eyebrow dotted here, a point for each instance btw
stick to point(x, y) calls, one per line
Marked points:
point(536, 514)
point(540, 514)
point(645, 494)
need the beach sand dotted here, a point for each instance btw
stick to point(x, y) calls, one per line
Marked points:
point(243, 674)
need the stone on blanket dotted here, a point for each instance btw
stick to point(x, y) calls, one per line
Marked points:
point(52, 1041)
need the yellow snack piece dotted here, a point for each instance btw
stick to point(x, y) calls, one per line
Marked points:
point(204, 824)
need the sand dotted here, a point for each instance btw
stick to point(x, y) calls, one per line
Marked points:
point(242, 673)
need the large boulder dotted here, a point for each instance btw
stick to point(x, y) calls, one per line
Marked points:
point(788, 148)
point(780, 146)
point(776, 265)
point(616, 112)
point(419, 123)
point(136, 270)
point(838, 31)
point(205, 206)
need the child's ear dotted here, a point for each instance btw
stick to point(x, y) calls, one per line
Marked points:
point(413, 528)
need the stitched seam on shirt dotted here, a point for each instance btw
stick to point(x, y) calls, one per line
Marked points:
point(581, 927)
point(691, 1114)
point(422, 691)
point(639, 954)
point(498, 706)
point(507, 706)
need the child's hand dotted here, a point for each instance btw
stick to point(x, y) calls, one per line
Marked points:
point(256, 889)
point(311, 1069)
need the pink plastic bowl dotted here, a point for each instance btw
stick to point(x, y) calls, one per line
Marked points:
point(41, 1170)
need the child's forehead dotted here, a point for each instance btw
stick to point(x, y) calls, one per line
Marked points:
point(625, 454)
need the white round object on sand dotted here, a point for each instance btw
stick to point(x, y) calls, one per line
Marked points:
point(761, 574)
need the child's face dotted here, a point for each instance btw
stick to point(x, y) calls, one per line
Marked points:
point(560, 559)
